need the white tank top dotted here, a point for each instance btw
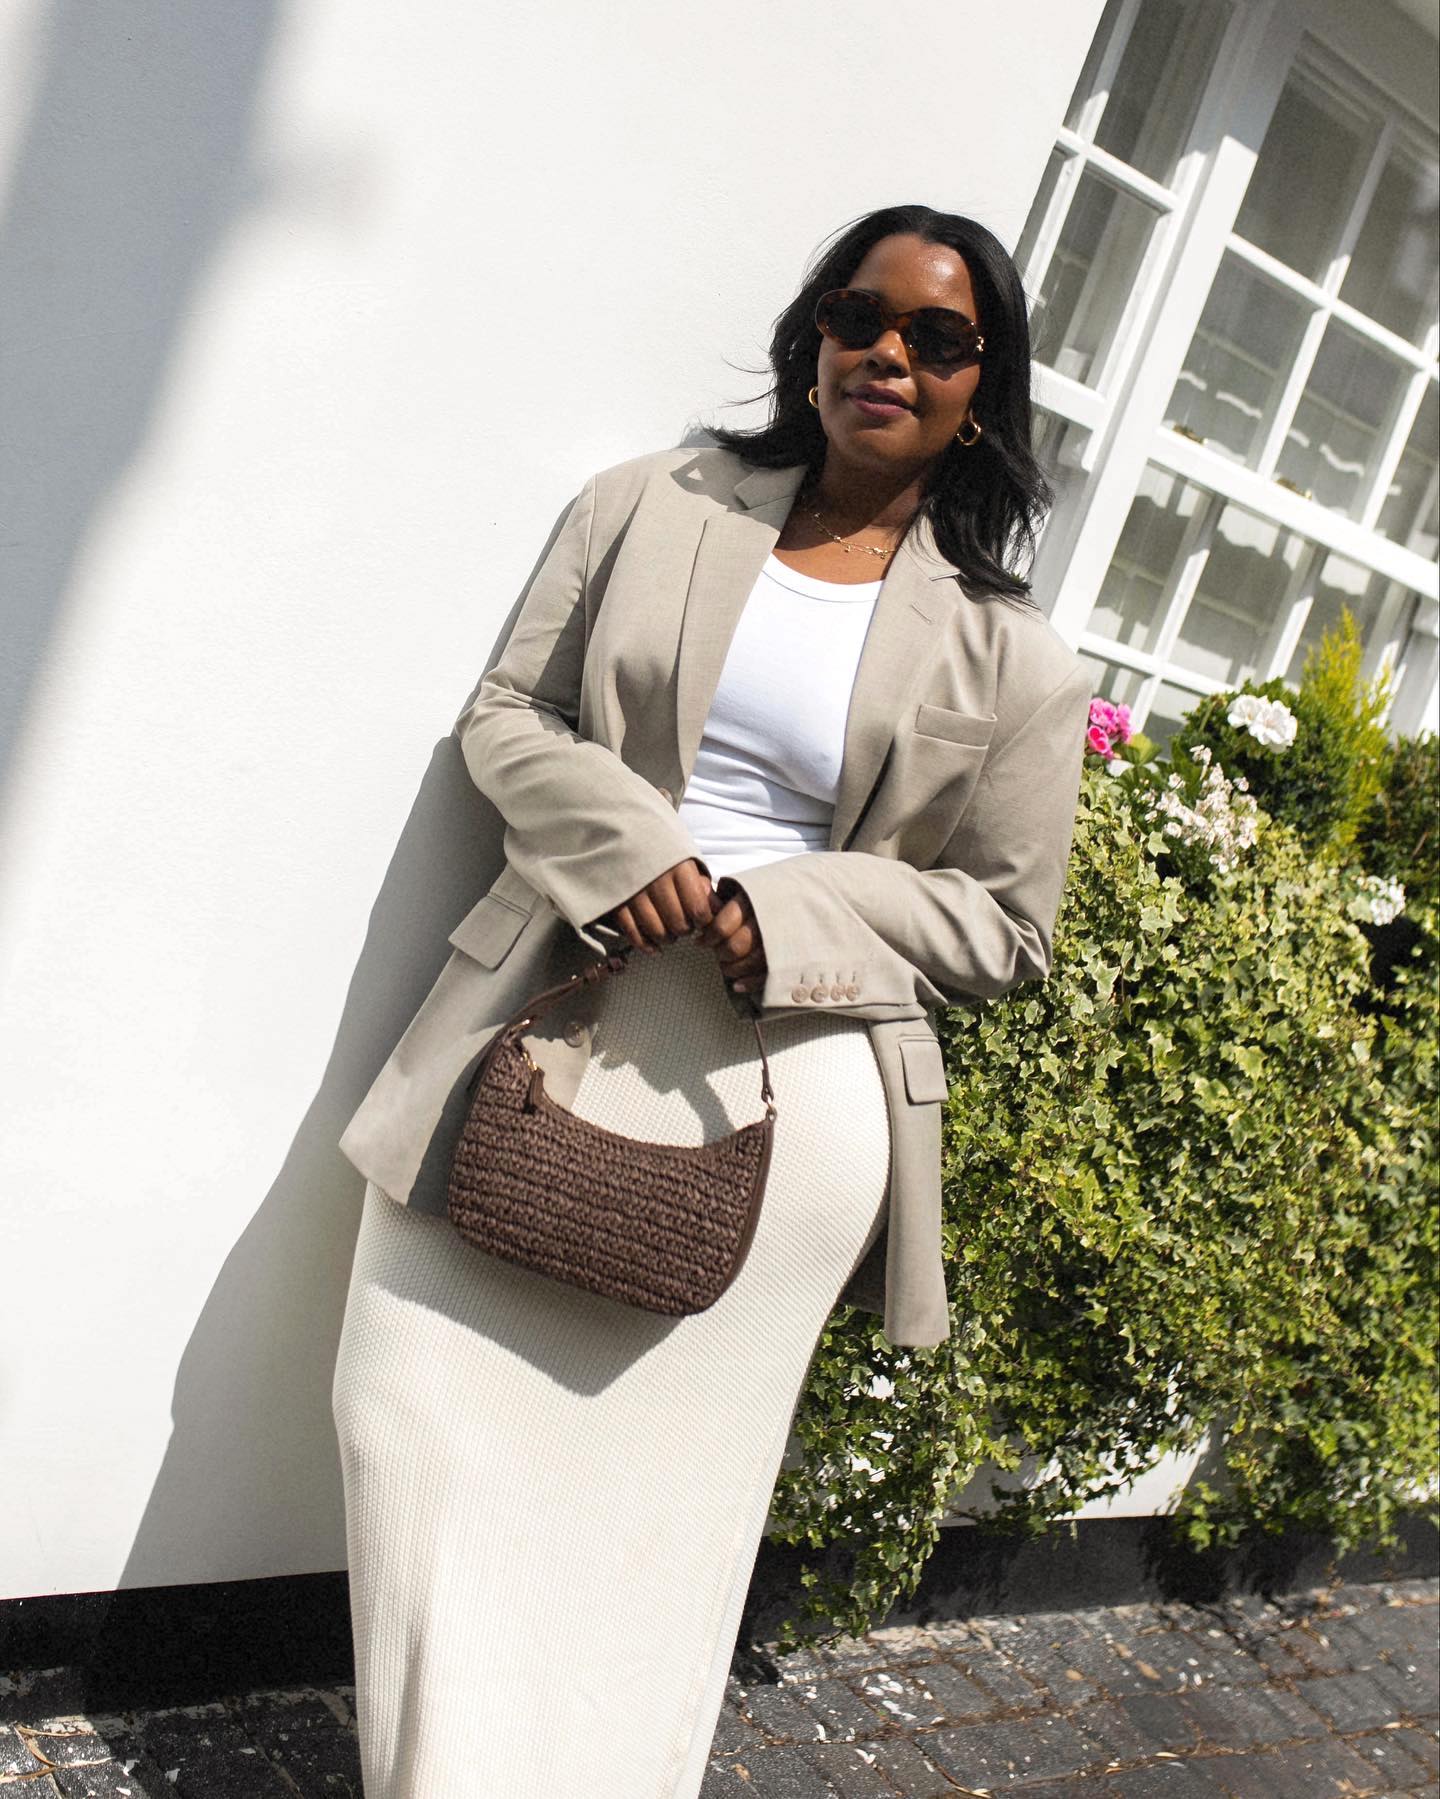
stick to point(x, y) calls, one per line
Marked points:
point(766, 772)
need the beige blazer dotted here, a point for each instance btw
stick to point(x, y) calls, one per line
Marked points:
point(963, 749)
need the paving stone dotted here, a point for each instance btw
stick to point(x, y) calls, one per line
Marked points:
point(1250, 1717)
point(844, 1716)
point(772, 1774)
point(733, 1736)
point(1310, 1771)
point(1392, 1757)
point(1423, 1745)
point(324, 1763)
point(909, 1770)
point(905, 1642)
point(1228, 1659)
point(780, 1714)
point(65, 1741)
point(228, 1774)
point(898, 1697)
point(178, 1735)
point(15, 1757)
point(1114, 1737)
point(1349, 1701)
point(1160, 1720)
point(1010, 1684)
point(851, 1770)
point(957, 1698)
point(1001, 1755)
point(1168, 1780)
point(137, 1779)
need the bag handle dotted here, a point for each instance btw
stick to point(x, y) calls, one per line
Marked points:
point(616, 963)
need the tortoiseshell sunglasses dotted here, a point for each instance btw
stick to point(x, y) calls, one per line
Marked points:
point(854, 318)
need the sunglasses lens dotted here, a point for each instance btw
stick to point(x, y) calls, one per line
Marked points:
point(854, 320)
point(944, 338)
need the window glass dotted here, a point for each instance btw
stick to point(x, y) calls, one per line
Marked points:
point(1342, 419)
point(1235, 368)
point(1305, 177)
point(1414, 480)
point(1391, 275)
point(1232, 625)
point(1131, 606)
point(1339, 584)
point(1090, 277)
point(1167, 712)
point(1157, 88)
point(1025, 249)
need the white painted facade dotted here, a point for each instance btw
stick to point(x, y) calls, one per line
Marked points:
point(312, 320)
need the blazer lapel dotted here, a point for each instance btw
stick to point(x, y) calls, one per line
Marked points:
point(732, 551)
point(909, 611)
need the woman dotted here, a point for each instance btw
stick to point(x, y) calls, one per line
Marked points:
point(554, 1502)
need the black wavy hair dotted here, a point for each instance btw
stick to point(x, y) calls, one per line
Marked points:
point(985, 503)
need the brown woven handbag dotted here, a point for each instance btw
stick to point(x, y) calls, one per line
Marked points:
point(661, 1226)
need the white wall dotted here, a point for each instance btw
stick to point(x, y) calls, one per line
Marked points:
point(314, 317)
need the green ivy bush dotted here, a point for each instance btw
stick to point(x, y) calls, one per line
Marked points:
point(1189, 1189)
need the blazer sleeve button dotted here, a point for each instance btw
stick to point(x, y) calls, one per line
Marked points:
point(837, 991)
point(851, 990)
point(819, 993)
point(799, 993)
point(575, 1033)
point(667, 796)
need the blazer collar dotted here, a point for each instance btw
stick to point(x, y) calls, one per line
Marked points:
point(914, 601)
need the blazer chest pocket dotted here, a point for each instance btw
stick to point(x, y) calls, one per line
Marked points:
point(488, 931)
point(974, 729)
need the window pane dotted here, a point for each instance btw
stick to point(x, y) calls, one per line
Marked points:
point(1167, 712)
point(1236, 365)
point(1414, 477)
point(1025, 249)
point(1232, 626)
point(1085, 86)
point(1305, 177)
point(1131, 606)
point(1157, 88)
point(1342, 419)
point(1392, 272)
point(1090, 277)
point(1340, 583)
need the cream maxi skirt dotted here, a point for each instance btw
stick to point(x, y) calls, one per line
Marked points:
point(554, 1502)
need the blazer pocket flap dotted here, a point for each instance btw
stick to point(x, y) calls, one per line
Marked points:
point(924, 1064)
point(489, 929)
point(956, 727)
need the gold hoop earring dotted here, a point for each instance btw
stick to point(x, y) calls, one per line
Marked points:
point(814, 397)
point(969, 443)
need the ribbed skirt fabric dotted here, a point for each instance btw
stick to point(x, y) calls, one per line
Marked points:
point(553, 1501)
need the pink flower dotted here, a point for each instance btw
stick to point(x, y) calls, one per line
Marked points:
point(1099, 742)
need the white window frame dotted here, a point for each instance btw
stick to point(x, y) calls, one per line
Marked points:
point(1115, 418)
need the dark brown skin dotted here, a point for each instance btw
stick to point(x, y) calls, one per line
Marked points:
point(869, 487)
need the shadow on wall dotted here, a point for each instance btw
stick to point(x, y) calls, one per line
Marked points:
point(125, 180)
point(252, 1390)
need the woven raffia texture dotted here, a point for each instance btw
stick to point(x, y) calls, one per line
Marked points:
point(656, 1225)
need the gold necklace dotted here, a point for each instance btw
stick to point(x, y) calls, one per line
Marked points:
point(868, 548)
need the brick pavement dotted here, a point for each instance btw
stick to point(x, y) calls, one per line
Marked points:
point(1330, 1692)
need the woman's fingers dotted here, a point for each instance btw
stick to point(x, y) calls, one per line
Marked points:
point(694, 890)
point(652, 926)
point(666, 901)
point(725, 923)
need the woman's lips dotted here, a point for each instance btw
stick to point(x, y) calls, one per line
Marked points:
point(874, 407)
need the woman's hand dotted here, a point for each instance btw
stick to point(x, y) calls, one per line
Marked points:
point(734, 935)
point(672, 906)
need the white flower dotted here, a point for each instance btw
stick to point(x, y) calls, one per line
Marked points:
point(1376, 900)
point(1275, 726)
point(881, 1386)
point(1245, 708)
